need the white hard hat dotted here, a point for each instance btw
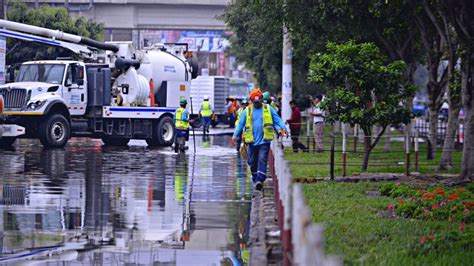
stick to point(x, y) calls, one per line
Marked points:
point(206, 97)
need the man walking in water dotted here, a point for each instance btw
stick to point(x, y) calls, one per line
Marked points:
point(258, 123)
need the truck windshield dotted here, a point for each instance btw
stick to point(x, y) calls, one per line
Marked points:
point(49, 73)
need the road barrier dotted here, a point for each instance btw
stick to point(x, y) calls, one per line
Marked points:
point(302, 240)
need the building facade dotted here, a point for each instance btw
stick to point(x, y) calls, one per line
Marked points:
point(148, 22)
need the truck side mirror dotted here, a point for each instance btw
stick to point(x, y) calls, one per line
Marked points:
point(80, 82)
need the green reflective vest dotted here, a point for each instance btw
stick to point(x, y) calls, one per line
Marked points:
point(206, 109)
point(267, 124)
point(239, 112)
point(179, 122)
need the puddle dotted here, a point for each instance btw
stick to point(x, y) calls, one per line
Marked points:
point(89, 204)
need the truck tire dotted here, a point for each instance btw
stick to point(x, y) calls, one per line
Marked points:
point(163, 133)
point(6, 142)
point(55, 131)
point(119, 142)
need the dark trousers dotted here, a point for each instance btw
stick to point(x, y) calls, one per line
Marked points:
point(257, 159)
point(295, 135)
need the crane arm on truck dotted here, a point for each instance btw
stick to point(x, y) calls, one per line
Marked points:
point(78, 44)
point(82, 50)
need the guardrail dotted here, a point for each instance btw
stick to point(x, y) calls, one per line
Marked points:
point(302, 240)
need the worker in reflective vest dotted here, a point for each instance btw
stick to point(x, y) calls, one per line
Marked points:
point(182, 122)
point(205, 113)
point(245, 103)
point(258, 123)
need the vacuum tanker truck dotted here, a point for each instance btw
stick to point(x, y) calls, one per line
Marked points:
point(130, 94)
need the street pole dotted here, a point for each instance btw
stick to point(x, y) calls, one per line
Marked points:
point(194, 133)
point(286, 75)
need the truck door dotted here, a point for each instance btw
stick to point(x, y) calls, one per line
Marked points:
point(75, 89)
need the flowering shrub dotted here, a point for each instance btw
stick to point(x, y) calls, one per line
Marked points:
point(437, 203)
point(434, 203)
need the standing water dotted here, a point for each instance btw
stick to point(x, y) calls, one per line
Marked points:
point(88, 204)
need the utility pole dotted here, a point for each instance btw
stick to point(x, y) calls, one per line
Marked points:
point(286, 77)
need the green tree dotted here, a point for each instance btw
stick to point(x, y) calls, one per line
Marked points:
point(258, 28)
point(362, 89)
point(51, 18)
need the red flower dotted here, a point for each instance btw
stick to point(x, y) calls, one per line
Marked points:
point(422, 240)
point(436, 206)
point(425, 211)
point(453, 197)
point(391, 207)
point(442, 204)
point(440, 192)
point(400, 201)
point(461, 227)
point(461, 190)
point(431, 237)
point(428, 196)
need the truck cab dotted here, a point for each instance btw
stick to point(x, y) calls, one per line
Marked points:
point(43, 98)
point(41, 83)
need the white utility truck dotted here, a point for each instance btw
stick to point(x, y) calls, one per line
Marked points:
point(131, 94)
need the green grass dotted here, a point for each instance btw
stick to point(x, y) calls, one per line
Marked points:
point(380, 161)
point(355, 230)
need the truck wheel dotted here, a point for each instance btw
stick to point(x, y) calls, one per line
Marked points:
point(108, 141)
point(163, 133)
point(7, 141)
point(55, 131)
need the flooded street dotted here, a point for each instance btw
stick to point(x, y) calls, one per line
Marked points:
point(88, 204)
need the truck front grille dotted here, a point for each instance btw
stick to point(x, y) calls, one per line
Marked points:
point(14, 98)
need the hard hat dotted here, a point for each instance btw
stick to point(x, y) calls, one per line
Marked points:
point(206, 97)
point(183, 101)
point(266, 96)
point(256, 95)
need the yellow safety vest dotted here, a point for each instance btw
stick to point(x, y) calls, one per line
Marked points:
point(179, 122)
point(206, 109)
point(239, 112)
point(267, 124)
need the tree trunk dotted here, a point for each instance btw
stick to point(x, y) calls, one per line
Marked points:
point(467, 86)
point(433, 130)
point(448, 146)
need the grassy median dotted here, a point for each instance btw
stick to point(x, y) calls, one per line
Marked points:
point(363, 231)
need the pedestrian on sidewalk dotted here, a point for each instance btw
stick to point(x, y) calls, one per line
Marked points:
point(295, 127)
point(205, 112)
point(318, 122)
point(181, 121)
point(259, 121)
point(245, 103)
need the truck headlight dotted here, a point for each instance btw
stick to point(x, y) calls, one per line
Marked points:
point(36, 104)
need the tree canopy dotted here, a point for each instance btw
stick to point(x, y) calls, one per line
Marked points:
point(48, 17)
point(362, 88)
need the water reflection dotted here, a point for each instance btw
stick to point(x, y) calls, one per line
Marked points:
point(87, 204)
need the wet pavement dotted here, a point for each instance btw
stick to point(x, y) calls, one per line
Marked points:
point(88, 204)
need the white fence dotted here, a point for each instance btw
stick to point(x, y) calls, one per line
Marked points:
point(302, 240)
